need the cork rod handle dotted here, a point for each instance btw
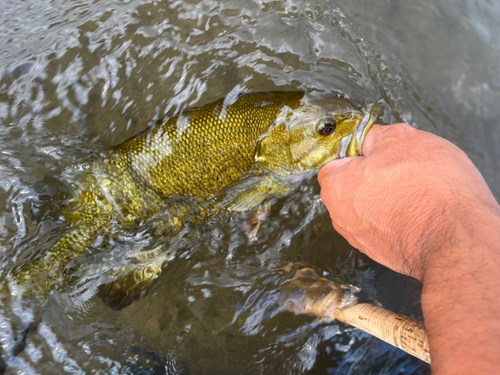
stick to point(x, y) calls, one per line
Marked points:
point(403, 332)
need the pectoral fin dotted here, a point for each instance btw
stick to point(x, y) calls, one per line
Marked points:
point(250, 192)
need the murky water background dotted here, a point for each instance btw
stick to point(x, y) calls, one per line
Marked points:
point(77, 76)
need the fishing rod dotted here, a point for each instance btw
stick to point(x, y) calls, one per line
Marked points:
point(307, 293)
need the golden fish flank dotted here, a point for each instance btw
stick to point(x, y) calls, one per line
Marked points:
point(230, 155)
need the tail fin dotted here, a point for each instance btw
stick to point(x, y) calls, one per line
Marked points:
point(37, 279)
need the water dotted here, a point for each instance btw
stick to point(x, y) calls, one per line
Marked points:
point(80, 76)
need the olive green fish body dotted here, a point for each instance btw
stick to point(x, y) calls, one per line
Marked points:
point(238, 152)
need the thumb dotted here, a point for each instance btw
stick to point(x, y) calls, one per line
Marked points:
point(341, 165)
point(336, 167)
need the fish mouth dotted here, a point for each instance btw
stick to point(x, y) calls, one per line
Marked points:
point(352, 145)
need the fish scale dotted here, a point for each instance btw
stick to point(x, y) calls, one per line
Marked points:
point(214, 144)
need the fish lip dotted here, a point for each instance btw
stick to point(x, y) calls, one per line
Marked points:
point(353, 144)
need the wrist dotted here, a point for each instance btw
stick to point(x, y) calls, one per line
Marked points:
point(453, 238)
point(461, 305)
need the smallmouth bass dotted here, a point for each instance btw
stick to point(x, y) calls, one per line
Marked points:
point(228, 156)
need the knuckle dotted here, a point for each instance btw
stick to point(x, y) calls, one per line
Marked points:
point(402, 128)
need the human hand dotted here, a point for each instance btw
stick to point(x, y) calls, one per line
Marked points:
point(411, 195)
point(415, 203)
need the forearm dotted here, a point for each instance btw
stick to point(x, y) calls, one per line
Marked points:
point(461, 304)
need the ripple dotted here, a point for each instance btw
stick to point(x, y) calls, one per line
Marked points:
point(79, 76)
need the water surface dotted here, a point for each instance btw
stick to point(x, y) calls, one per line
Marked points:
point(80, 76)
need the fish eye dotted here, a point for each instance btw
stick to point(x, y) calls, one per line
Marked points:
point(326, 126)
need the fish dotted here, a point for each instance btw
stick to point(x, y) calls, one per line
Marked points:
point(229, 156)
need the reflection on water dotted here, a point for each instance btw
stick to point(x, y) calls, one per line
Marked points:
point(79, 76)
